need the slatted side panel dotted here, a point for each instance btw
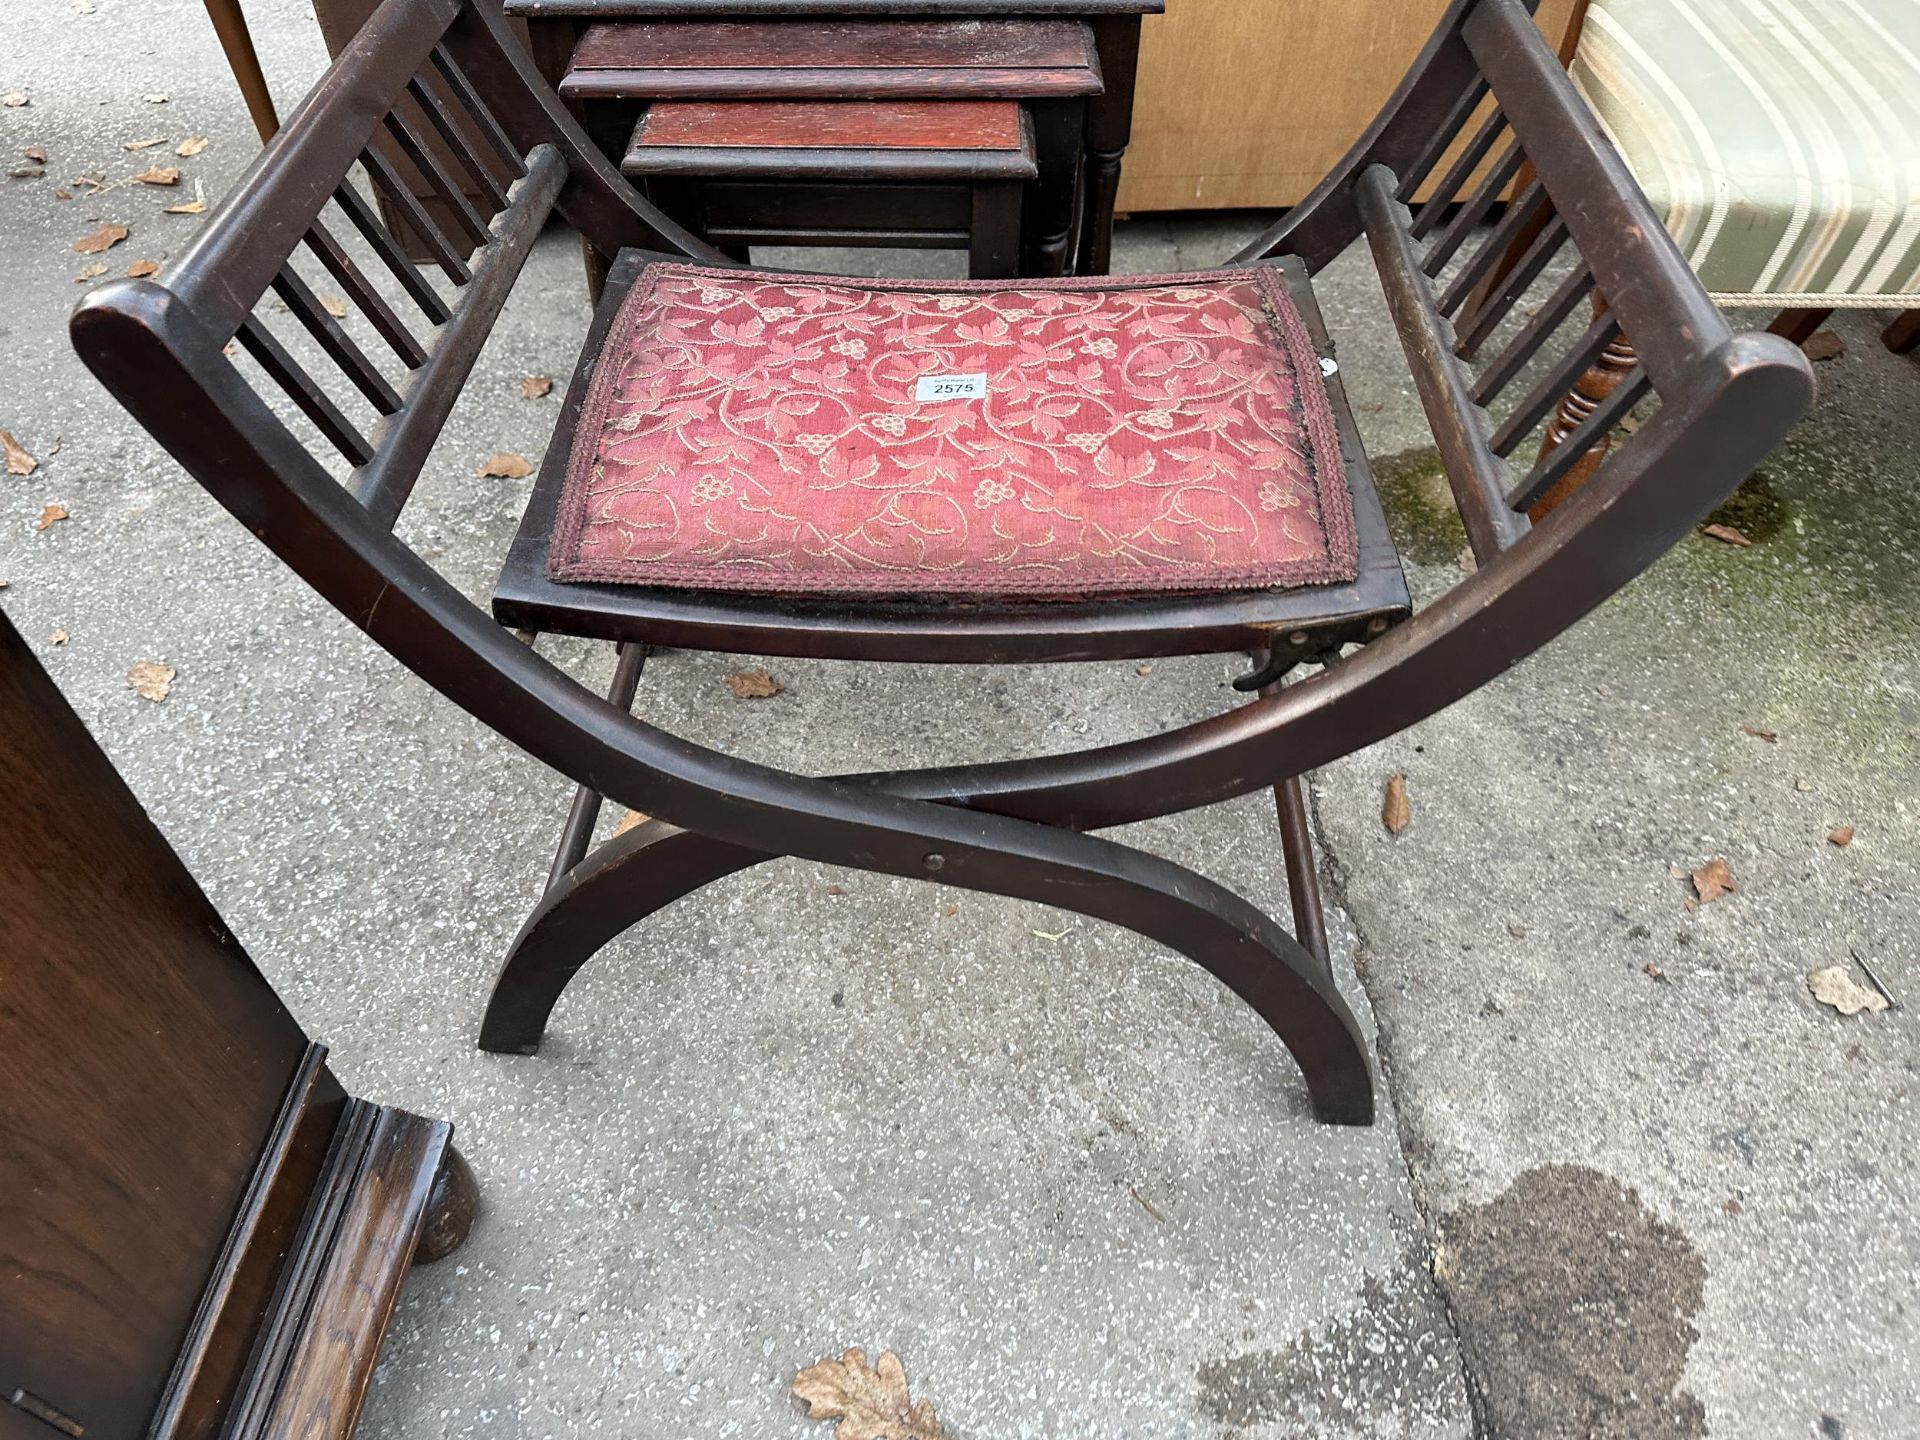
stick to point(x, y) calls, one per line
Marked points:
point(361, 264)
point(1517, 316)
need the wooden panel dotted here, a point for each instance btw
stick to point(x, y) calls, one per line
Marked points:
point(143, 1063)
point(1251, 103)
point(842, 44)
point(903, 125)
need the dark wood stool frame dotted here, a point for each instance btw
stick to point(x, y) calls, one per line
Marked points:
point(1016, 828)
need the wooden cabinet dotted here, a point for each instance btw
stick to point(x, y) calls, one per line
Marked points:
point(201, 1232)
point(1247, 103)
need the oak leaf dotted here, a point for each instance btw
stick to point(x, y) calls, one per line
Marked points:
point(19, 461)
point(158, 175)
point(1395, 812)
point(1833, 986)
point(753, 685)
point(151, 681)
point(506, 466)
point(534, 386)
point(1714, 879)
point(52, 514)
point(105, 238)
point(870, 1401)
point(140, 269)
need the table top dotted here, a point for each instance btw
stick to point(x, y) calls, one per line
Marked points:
point(696, 9)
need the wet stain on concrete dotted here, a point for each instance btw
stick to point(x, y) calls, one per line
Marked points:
point(1385, 1359)
point(1420, 507)
point(1574, 1304)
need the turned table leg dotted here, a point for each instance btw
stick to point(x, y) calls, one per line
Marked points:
point(1589, 392)
point(1109, 130)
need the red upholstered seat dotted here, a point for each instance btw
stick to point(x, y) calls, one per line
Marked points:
point(752, 431)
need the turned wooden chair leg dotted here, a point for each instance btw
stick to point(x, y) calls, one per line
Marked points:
point(1903, 335)
point(1589, 392)
point(237, 41)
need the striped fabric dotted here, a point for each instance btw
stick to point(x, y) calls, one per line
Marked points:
point(1780, 137)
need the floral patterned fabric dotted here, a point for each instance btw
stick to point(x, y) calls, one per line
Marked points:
point(753, 431)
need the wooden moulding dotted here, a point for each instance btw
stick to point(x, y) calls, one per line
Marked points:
point(291, 1323)
point(835, 60)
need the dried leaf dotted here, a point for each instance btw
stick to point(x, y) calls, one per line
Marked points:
point(870, 1401)
point(158, 175)
point(1395, 812)
point(1726, 535)
point(1834, 986)
point(534, 386)
point(27, 172)
point(191, 146)
point(1772, 737)
point(753, 685)
point(1143, 669)
point(105, 238)
point(52, 515)
point(140, 269)
point(19, 460)
point(334, 306)
point(155, 99)
point(146, 144)
point(1714, 879)
point(1841, 835)
point(58, 637)
point(151, 681)
point(1824, 345)
point(506, 466)
point(92, 272)
point(36, 153)
point(192, 207)
point(59, 194)
point(629, 820)
point(14, 99)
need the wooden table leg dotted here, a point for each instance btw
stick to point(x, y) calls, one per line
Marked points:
point(1903, 335)
point(1060, 127)
point(1109, 130)
point(994, 249)
point(231, 26)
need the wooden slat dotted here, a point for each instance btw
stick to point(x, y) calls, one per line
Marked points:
point(1554, 385)
point(341, 347)
point(299, 386)
point(1488, 315)
point(1475, 473)
point(899, 125)
point(447, 128)
point(397, 193)
point(234, 257)
point(361, 292)
point(1519, 350)
point(478, 112)
point(1583, 437)
point(402, 443)
point(1442, 195)
point(357, 210)
point(1634, 261)
point(1494, 247)
point(450, 192)
point(1471, 213)
point(1445, 136)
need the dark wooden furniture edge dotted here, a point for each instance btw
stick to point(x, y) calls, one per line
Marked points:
point(824, 84)
point(292, 1320)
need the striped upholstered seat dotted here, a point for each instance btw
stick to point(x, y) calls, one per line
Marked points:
point(1780, 137)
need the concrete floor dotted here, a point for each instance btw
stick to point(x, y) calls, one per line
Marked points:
point(1631, 1181)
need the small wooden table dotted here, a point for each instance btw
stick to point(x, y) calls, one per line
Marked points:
point(555, 27)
